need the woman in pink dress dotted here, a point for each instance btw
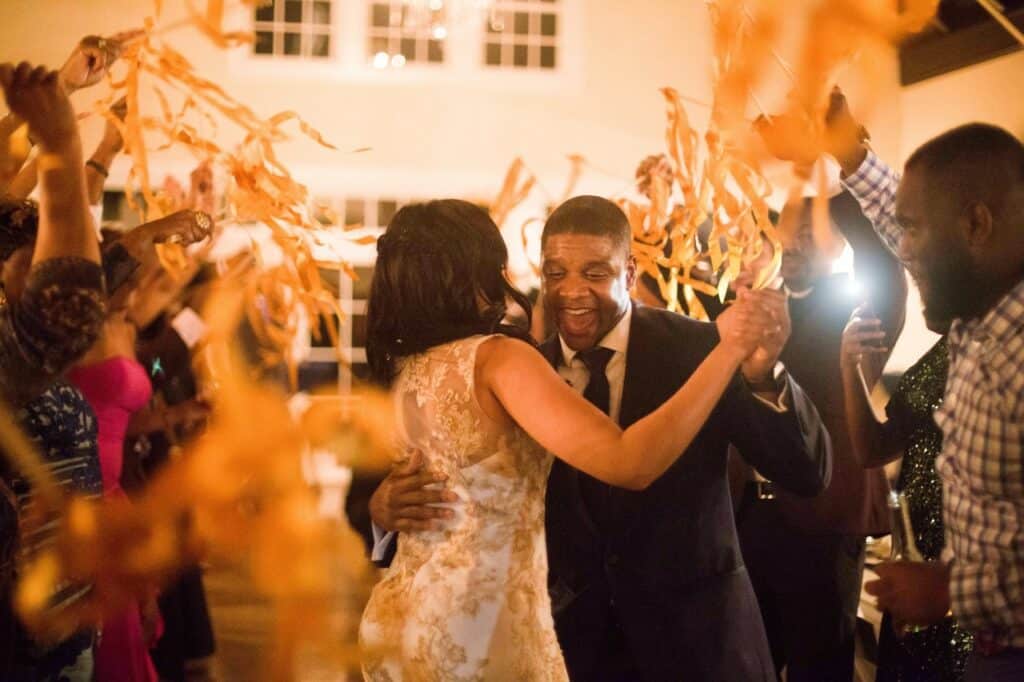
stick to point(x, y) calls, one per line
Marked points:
point(117, 387)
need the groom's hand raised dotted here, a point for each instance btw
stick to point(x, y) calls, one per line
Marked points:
point(403, 502)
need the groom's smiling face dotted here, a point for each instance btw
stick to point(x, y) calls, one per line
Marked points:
point(587, 280)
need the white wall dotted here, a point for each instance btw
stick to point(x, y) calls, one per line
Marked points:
point(432, 136)
point(992, 92)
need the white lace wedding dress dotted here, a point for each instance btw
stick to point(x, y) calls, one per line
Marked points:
point(468, 601)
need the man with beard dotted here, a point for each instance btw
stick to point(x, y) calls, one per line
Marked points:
point(956, 219)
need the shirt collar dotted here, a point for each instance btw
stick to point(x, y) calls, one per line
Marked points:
point(617, 339)
point(996, 326)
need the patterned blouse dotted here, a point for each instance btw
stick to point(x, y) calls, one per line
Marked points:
point(58, 317)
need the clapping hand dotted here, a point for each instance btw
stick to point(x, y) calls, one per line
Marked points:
point(760, 364)
point(750, 324)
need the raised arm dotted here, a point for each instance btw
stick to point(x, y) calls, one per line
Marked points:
point(572, 429)
point(874, 443)
point(875, 266)
point(60, 310)
point(869, 179)
point(65, 225)
point(97, 168)
point(183, 227)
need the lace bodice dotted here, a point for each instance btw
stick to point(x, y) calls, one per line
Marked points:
point(468, 600)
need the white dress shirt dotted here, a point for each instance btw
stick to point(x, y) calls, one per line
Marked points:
point(577, 375)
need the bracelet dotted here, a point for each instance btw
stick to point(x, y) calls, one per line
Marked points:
point(98, 167)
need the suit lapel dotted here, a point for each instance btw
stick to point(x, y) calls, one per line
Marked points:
point(551, 350)
point(561, 473)
point(639, 370)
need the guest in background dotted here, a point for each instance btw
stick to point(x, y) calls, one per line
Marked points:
point(806, 556)
point(117, 386)
point(175, 415)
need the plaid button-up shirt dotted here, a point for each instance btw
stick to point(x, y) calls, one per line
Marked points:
point(982, 459)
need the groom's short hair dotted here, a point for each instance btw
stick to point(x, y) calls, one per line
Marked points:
point(590, 215)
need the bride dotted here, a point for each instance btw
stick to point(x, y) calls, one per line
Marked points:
point(469, 600)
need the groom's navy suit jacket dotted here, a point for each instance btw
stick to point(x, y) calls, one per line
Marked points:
point(665, 566)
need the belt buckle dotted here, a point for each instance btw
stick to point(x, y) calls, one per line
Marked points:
point(765, 490)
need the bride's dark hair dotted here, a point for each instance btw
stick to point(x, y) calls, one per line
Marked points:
point(440, 276)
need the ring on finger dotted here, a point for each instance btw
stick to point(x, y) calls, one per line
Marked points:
point(203, 221)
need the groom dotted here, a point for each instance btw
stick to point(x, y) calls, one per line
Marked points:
point(648, 585)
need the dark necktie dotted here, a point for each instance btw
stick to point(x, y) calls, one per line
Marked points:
point(598, 392)
point(595, 493)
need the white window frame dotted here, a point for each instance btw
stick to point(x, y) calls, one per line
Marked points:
point(306, 27)
point(509, 39)
point(464, 55)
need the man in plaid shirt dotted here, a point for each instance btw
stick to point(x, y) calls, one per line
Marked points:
point(956, 220)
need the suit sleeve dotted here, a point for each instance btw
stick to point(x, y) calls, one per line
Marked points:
point(791, 448)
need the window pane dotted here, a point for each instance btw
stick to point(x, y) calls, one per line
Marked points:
point(547, 57)
point(435, 51)
point(361, 287)
point(293, 11)
point(522, 23)
point(519, 54)
point(409, 49)
point(321, 12)
point(321, 46)
point(265, 13)
point(386, 211)
point(381, 14)
point(317, 375)
point(354, 212)
point(378, 45)
point(493, 56)
point(264, 43)
point(548, 24)
point(293, 43)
